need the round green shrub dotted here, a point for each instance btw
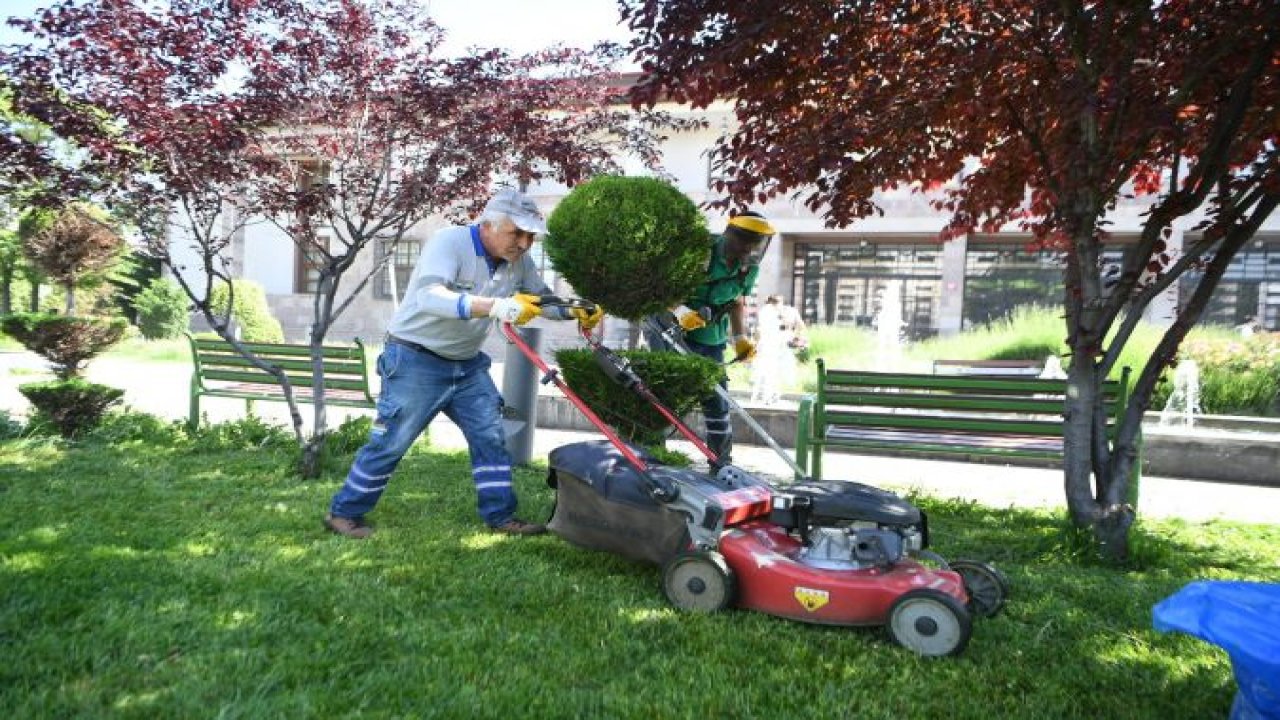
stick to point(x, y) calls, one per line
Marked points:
point(251, 311)
point(634, 245)
point(679, 382)
point(72, 406)
point(162, 310)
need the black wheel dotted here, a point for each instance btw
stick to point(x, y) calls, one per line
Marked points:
point(987, 587)
point(699, 582)
point(930, 623)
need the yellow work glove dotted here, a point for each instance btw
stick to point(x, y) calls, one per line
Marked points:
point(688, 318)
point(586, 319)
point(519, 308)
point(744, 349)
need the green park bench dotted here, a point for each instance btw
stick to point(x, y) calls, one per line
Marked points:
point(220, 371)
point(957, 417)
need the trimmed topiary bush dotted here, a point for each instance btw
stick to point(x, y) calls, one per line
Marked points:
point(634, 245)
point(251, 311)
point(679, 381)
point(65, 341)
point(72, 406)
point(162, 309)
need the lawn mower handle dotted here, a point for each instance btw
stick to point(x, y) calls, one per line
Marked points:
point(661, 489)
point(566, 302)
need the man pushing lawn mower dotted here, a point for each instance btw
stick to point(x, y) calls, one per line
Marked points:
point(432, 363)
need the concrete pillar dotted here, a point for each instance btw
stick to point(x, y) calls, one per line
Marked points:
point(520, 396)
point(951, 307)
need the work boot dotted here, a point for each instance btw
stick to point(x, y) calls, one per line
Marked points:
point(516, 526)
point(350, 527)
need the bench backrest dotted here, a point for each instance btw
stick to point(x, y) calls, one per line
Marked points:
point(963, 403)
point(344, 365)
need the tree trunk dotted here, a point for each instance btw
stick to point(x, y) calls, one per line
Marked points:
point(1085, 477)
point(70, 304)
point(312, 455)
point(322, 308)
point(33, 299)
point(6, 294)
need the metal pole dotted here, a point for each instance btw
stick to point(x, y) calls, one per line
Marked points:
point(520, 396)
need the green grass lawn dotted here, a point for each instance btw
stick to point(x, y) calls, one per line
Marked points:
point(143, 574)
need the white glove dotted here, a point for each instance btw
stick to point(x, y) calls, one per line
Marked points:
point(517, 309)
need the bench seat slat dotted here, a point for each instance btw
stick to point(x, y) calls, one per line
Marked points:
point(258, 391)
point(919, 421)
point(844, 379)
point(218, 345)
point(1044, 446)
point(288, 364)
point(972, 403)
point(262, 378)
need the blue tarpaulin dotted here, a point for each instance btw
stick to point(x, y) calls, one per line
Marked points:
point(1242, 618)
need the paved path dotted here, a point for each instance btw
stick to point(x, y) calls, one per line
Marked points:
point(161, 389)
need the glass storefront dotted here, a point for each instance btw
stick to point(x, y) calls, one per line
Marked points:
point(1249, 291)
point(847, 284)
point(999, 277)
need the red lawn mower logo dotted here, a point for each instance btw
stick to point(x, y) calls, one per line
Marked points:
point(812, 599)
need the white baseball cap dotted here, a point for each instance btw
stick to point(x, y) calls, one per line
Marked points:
point(517, 206)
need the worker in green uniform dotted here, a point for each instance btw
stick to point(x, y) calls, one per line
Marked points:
point(714, 315)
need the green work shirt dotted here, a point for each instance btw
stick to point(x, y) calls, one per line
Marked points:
point(723, 286)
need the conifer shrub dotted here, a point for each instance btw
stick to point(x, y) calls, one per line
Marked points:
point(635, 245)
point(67, 342)
point(679, 381)
point(250, 311)
point(162, 309)
point(71, 406)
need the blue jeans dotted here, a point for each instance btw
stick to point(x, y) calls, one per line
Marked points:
point(715, 409)
point(416, 386)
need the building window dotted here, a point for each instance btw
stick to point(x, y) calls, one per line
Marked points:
point(312, 174)
point(1000, 277)
point(307, 264)
point(1249, 290)
point(394, 276)
point(851, 283)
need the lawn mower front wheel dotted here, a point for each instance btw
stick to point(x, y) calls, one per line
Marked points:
point(699, 582)
point(930, 623)
point(987, 587)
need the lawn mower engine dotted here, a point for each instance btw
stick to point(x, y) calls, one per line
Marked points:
point(849, 526)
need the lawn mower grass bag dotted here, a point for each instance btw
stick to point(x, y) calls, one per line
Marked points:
point(604, 503)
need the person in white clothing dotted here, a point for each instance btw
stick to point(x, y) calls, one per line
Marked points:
point(774, 364)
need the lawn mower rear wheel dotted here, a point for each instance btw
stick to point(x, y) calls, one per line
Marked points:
point(987, 587)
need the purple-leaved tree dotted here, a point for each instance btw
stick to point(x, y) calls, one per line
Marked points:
point(334, 119)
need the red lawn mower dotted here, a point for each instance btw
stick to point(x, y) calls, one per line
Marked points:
point(830, 552)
